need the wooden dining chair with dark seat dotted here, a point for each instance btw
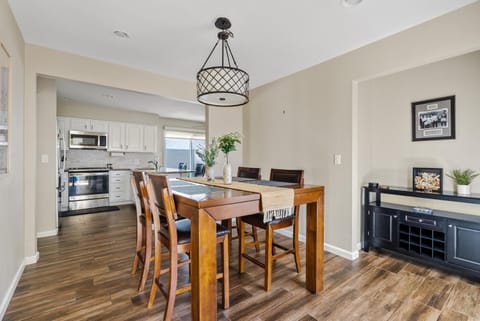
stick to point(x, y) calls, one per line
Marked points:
point(143, 248)
point(253, 173)
point(256, 220)
point(175, 236)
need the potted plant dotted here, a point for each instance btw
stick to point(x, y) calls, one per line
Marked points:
point(463, 178)
point(208, 154)
point(227, 144)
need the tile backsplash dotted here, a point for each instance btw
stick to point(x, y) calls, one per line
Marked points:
point(97, 158)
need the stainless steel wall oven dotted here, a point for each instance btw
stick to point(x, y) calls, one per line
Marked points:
point(87, 188)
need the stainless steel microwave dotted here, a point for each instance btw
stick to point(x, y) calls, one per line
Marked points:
point(87, 140)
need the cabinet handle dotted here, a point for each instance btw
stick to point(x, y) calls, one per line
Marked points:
point(91, 126)
point(420, 220)
point(126, 146)
point(395, 216)
point(121, 146)
point(450, 225)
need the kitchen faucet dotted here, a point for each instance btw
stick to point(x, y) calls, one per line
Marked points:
point(155, 164)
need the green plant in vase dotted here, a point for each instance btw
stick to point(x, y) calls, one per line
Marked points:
point(463, 179)
point(208, 155)
point(228, 143)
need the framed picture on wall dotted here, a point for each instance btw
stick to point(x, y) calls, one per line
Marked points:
point(428, 179)
point(433, 119)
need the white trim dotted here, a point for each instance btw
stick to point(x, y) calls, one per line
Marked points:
point(31, 259)
point(341, 252)
point(11, 290)
point(47, 233)
point(327, 247)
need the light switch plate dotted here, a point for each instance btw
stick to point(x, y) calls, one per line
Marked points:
point(44, 158)
point(338, 159)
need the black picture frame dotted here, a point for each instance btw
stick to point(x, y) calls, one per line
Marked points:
point(433, 119)
point(427, 179)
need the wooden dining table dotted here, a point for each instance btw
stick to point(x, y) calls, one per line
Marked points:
point(205, 206)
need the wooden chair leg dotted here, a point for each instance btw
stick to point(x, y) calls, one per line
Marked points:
point(156, 274)
point(255, 238)
point(138, 248)
point(147, 258)
point(296, 247)
point(172, 286)
point(241, 244)
point(268, 258)
point(226, 272)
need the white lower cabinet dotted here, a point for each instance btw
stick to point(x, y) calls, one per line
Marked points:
point(120, 190)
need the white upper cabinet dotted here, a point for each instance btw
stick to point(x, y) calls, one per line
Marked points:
point(150, 139)
point(133, 138)
point(116, 136)
point(89, 125)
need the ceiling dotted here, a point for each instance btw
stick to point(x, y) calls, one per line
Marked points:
point(272, 38)
point(131, 100)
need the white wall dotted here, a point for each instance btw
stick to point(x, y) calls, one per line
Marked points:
point(12, 250)
point(321, 113)
point(386, 151)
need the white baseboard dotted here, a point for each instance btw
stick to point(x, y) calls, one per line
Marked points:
point(31, 259)
point(47, 233)
point(327, 247)
point(341, 252)
point(13, 285)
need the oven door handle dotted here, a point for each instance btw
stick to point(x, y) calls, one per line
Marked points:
point(88, 174)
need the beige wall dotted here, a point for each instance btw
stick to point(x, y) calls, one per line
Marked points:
point(12, 251)
point(46, 205)
point(221, 121)
point(321, 113)
point(57, 64)
point(387, 152)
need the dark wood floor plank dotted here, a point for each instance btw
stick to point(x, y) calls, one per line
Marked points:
point(84, 274)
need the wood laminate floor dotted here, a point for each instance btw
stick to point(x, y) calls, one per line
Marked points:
point(84, 274)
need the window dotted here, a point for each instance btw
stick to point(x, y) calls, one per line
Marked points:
point(180, 147)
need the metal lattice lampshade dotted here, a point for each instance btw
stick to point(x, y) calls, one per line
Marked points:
point(225, 85)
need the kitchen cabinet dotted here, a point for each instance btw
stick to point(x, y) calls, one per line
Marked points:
point(134, 138)
point(150, 139)
point(128, 137)
point(116, 136)
point(119, 185)
point(90, 125)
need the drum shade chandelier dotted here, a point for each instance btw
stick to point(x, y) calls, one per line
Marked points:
point(225, 85)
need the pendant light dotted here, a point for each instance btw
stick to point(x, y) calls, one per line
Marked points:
point(223, 85)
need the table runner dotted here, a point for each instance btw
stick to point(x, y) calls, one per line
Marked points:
point(276, 202)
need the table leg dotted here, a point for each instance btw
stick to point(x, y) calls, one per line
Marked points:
point(314, 247)
point(204, 270)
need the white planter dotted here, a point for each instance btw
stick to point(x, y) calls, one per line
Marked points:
point(463, 189)
point(210, 173)
point(227, 173)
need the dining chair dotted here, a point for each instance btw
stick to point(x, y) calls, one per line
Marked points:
point(143, 248)
point(246, 172)
point(175, 236)
point(199, 169)
point(256, 220)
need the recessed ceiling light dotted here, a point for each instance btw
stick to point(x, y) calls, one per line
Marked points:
point(121, 34)
point(351, 3)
